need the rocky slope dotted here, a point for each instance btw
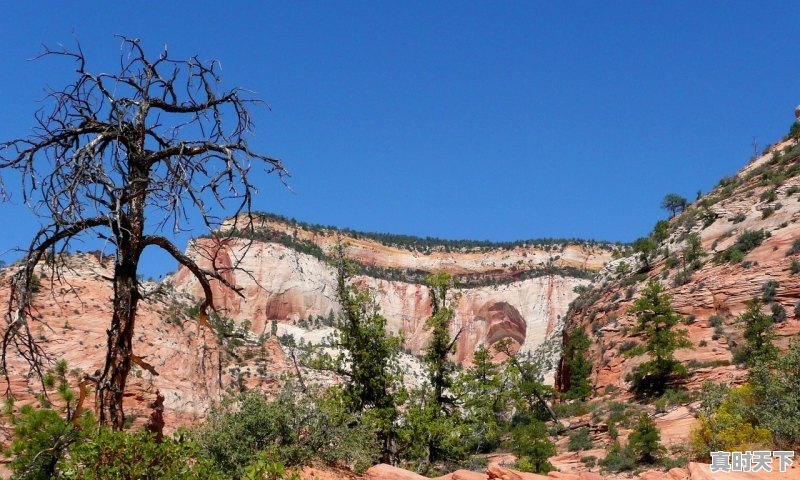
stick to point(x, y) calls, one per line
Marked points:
point(710, 295)
point(496, 471)
point(763, 196)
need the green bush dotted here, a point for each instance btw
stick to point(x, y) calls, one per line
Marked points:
point(622, 268)
point(678, 462)
point(618, 412)
point(682, 278)
point(112, 455)
point(575, 408)
point(576, 360)
point(295, 428)
point(795, 266)
point(672, 397)
point(619, 459)
point(264, 468)
point(760, 414)
point(758, 334)
point(746, 242)
point(795, 249)
point(716, 320)
point(768, 290)
point(631, 348)
point(530, 444)
point(728, 422)
point(579, 440)
point(776, 397)
point(778, 313)
point(47, 446)
point(36, 284)
point(40, 442)
point(794, 130)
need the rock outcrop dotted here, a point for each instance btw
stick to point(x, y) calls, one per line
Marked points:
point(72, 316)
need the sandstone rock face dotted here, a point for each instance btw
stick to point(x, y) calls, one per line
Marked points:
point(279, 283)
point(497, 261)
point(73, 315)
point(694, 471)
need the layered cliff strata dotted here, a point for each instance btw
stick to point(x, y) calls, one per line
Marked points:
point(279, 283)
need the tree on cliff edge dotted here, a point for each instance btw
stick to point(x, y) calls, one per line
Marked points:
point(125, 156)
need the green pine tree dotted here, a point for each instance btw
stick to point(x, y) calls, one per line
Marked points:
point(656, 320)
point(367, 358)
point(645, 440)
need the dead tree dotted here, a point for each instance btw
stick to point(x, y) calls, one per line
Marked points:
point(125, 156)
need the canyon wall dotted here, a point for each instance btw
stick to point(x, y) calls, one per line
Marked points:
point(281, 284)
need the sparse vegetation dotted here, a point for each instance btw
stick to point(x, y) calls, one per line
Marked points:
point(746, 242)
point(579, 440)
point(795, 249)
point(619, 459)
point(768, 290)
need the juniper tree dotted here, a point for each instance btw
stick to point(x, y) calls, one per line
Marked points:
point(126, 156)
point(484, 391)
point(577, 364)
point(433, 408)
point(645, 247)
point(645, 440)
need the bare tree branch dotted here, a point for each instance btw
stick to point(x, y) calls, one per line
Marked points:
point(153, 145)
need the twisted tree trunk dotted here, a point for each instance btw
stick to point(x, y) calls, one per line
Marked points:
point(129, 235)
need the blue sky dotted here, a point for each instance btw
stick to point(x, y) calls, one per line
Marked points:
point(484, 120)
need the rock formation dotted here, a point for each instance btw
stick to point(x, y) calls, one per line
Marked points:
point(280, 283)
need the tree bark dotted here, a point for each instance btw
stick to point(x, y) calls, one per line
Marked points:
point(120, 346)
point(129, 234)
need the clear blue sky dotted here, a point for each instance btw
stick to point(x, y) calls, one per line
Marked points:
point(484, 120)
